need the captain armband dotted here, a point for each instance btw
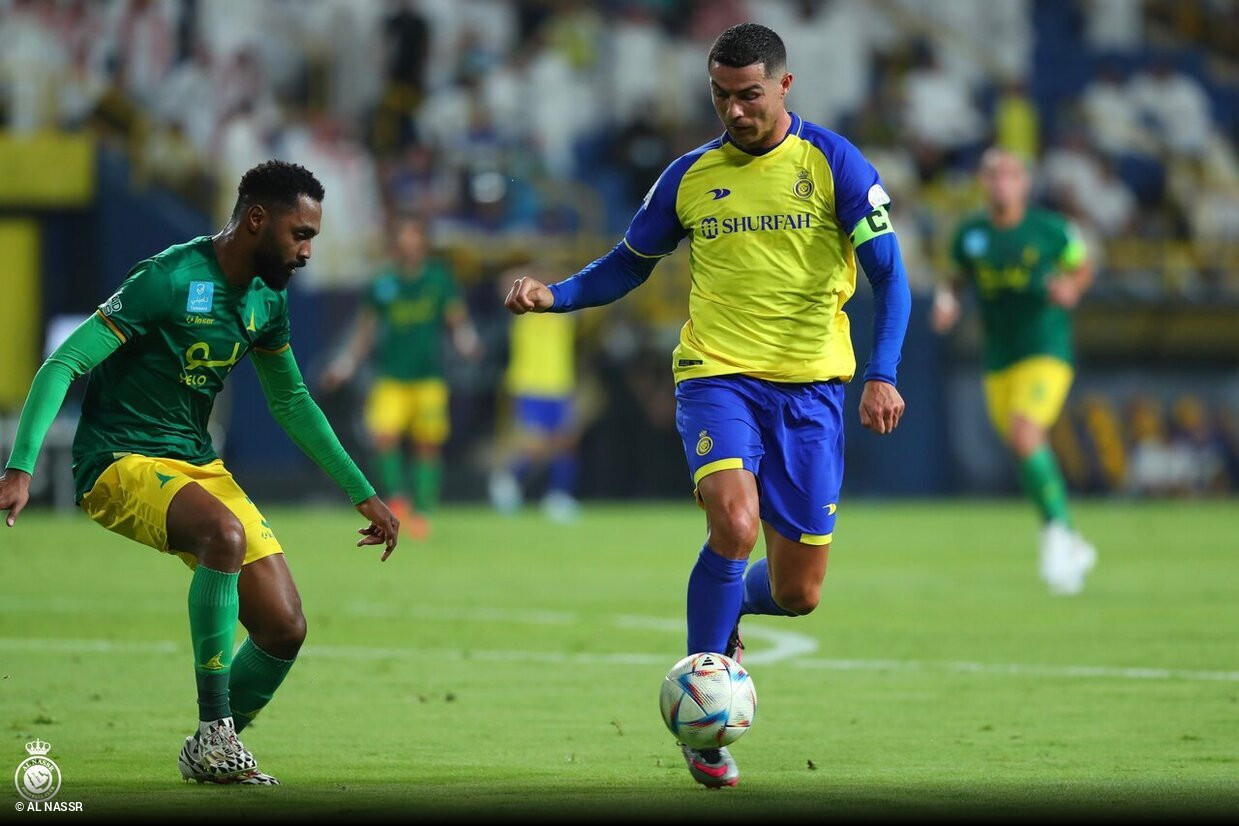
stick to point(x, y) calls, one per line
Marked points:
point(877, 222)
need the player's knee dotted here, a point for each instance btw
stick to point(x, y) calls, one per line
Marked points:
point(798, 598)
point(292, 632)
point(734, 531)
point(283, 637)
point(1026, 437)
point(223, 543)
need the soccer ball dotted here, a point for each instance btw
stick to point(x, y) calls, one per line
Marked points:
point(707, 700)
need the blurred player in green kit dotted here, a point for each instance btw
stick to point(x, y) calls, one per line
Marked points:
point(407, 308)
point(1029, 269)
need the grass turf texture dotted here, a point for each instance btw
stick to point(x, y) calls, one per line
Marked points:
point(509, 668)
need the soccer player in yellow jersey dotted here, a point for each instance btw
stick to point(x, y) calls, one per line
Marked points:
point(1029, 268)
point(541, 385)
point(777, 210)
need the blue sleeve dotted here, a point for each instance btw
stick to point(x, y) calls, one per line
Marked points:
point(656, 229)
point(858, 188)
point(892, 304)
point(603, 281)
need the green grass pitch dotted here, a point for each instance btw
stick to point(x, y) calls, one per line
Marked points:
point(509, 667)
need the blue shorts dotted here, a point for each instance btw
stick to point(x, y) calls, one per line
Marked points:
point(545, 414)
point(789, 435)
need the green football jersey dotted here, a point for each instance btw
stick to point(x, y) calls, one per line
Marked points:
point(1010, 268)
point(184, 328)
point(410, 314)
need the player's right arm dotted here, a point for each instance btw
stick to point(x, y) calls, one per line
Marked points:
point(653, 234)
point(141, 302)
point(945, 312)
point(93, 341)
point(343, 366)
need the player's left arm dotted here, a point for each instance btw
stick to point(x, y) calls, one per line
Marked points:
point(881, 406)
point(302, 419)
point(1075, 272)
point(863, 208)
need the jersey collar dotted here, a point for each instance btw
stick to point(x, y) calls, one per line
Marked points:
point(795, 128)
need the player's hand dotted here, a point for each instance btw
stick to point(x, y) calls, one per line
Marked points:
point(945, 312)
point(528, 295)
point(383, 528)
point(468, 343)
point(14, 493)
point(336, 374)
point(1063, 291)
point(881, 407)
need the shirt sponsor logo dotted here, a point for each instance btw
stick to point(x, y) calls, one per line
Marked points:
point(112, 305)
point(713, 227)
point(200, 295)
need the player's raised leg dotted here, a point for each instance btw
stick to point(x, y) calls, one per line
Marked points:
point(802, 474)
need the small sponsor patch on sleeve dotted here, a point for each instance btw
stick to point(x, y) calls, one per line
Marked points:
point(878, 196)
point(112, 305)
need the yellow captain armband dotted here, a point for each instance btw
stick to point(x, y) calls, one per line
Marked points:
point(877, 222)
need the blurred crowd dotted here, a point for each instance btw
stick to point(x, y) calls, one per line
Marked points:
point(1138, 444)
point(504, 120)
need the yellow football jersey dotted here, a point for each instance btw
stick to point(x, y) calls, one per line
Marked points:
point(542, 361)
point(772, 239)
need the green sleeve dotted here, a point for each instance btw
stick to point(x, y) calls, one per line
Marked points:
point(89, 344)
point(302, 419)
point(140, 303)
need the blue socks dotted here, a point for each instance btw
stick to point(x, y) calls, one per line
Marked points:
point(562, 473)
point(715, 591)
point(757, 596)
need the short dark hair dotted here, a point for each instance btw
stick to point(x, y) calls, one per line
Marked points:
point(276, 184)
point(747, 43)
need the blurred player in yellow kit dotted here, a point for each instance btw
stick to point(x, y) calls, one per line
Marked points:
point(408, 307)
point(541, 383)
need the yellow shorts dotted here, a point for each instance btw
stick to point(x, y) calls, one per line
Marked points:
point(414, 408)
point(132, 496)
point(1034, 388)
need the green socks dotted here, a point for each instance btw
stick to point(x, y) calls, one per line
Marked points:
point(255, 677)
point(1043, 482)
point(213, 606)
point(427, 478)
point(391, 472)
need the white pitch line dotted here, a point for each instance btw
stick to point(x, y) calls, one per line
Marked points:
point(353, 652)
point(1022, 669)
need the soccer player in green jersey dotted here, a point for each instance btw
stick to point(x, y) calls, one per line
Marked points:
point(157, 353)
point(407, 307)
point(1029, 268)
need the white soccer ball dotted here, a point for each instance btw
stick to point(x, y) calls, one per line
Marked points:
point(707, 700)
